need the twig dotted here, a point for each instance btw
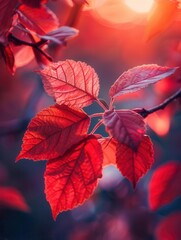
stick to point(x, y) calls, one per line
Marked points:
point(144, 112)
point(74, 15)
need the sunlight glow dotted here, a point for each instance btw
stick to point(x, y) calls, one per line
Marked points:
point(140, 6)
point(159, 123)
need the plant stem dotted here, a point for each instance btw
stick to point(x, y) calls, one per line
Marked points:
point(97, 126)
point(74, 15)
point(144, 112)
point(102, 104)
point(96, 115)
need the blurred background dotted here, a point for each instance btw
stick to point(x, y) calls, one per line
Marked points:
point(112, 39)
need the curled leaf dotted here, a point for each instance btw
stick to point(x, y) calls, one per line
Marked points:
point(126, 126)
point(60, 35)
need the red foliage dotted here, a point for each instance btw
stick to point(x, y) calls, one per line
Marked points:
point(47, 133)
point(72, 178)
point(72, 83)
point(126, 126)
point(169, 227)
point(139, 77)
point(12, 198)
point(109, 150)
point(135, 164)
point(163, 186)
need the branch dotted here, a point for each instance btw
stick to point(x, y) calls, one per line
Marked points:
point(144, 112)
point(74, 15)
point(19, 42)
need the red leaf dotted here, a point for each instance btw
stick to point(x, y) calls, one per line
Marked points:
point(8, 57)
point(72, 178)
point(72, 83)
point(40, 20)
point(53, 131)
point(109, 150)
point(139, 77)
point(12, 198)
point(169, 227)
point(160, 17)
point(165, 185)
point(33, 3)
point(133, 165)
point(6, 9)
point(126, 126)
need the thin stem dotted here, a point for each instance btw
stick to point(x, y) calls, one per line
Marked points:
point(20, 42)
point(97, 126)
point(144, 112)
point(96, 115)
point(102, 104)
point(74, 15)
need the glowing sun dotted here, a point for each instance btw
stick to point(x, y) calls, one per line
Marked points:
point(140, 6)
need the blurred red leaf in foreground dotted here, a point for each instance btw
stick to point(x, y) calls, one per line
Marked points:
point(165, 185)
point(12, 198)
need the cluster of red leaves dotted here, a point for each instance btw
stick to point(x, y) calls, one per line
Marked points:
point(29, 23)
point(60, 133)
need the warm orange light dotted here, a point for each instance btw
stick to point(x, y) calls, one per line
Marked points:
point(159, 123)
point(140, 6)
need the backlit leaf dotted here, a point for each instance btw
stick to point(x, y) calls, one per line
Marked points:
point(72, 83)
point(126, 126)
point(165, 185)
point(160, 17)
point(40, 20)
point(139, 77)
point(53, 131)
point(169, 228)
point(12, 198)
point(109, 150)
point(134, 165)
point(72, 178)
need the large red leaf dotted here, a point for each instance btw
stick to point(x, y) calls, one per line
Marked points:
point(133, 165)
point(169, 228)
point(12, 198)
point(126, 126)
point(160, 17)
point(53, 131)
point(6, 15)
point(40, 20)
point(72, 83)
point(72, 178)
point(139, 77)
point(165, 185)
point(109, 150)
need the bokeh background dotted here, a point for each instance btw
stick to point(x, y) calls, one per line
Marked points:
point(112, 40)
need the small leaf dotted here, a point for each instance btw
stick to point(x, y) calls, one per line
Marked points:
point(134, 165)
point(160, 17)
point(53, 131)
point(12, 198)
point(126, 126)
point(109, 150)
point(165, 185)
point(139, 77)
point(72, 83)
point(60, 35)
point(72, 178)
point(169, 227)
point(40, 20)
